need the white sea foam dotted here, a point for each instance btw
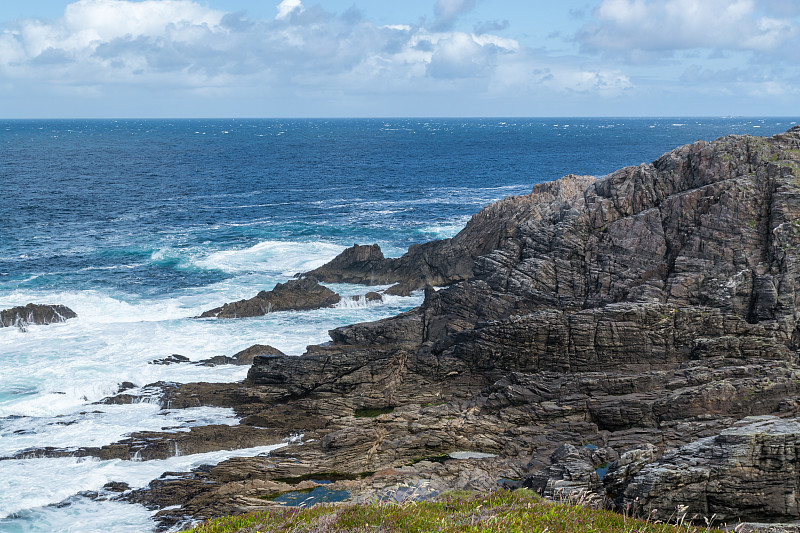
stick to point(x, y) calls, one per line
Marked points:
point(82, 515)
point(31, 483)
point(287, 258)
point(102, 424)
point(52, 370)
point(51, 375)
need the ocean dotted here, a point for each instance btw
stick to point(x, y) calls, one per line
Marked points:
point(140, 225)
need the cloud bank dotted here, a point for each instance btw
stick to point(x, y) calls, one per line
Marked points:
point(620, 57)
point(99, 46)
point(640, 29)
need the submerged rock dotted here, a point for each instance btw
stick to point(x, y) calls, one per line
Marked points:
point(35, 314)
point(171, 360)
point(294, 295)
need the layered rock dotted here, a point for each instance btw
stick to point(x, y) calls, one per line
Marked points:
point(35, 314)
point(642, 313)
point(747, 472)
point(294, 295)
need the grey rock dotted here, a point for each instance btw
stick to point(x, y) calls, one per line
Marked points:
point(748, 472)
point(35, 314)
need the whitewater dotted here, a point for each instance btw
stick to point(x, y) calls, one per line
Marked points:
point(140, 226)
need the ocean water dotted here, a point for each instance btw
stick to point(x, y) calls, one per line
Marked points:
point(140, 225)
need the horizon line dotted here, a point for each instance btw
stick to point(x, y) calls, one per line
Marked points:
point(422, 117)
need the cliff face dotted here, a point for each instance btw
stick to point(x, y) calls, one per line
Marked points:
point(693, 256)
point(646, 313)
point(658, 304)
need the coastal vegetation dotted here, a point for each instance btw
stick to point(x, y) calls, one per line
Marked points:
point(458, 511)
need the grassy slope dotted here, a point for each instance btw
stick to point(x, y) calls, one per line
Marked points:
point(500, 512)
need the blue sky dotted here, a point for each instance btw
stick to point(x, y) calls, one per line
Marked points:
point(359, 58)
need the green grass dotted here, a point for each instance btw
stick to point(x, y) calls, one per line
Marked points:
point(500, 512)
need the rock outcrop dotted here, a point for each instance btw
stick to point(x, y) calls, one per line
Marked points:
point(633, 320)
point(443, 262)
point(294, 295)
point(35, 314)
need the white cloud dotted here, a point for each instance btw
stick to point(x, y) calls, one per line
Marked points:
point(641, 29)
point(460, 56)
point(287, 7)
point(182, 47)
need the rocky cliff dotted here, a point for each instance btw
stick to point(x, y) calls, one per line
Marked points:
point(638, 320)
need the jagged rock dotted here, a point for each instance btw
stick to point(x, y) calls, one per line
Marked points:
point(398, 289)
point(126, 385)
point(217, 360)
point(245, 357)
point(294, 295)
point(443, 262)
point(651, 309)
point(356, 264)
point(630, 463)
point(116, 486)
point(35, 314)
point(371, 296)
point(572, 473)
point(150, 445)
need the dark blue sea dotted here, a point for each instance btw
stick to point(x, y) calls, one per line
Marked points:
point(140, 225)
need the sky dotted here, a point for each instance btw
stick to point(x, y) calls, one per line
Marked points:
point(390, 58)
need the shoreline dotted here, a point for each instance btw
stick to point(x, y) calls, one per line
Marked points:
point(525, 361)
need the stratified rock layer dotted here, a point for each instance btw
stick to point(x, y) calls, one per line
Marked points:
point(35, 314)
point(643, 314)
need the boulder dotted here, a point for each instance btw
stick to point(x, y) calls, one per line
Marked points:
point(35, 314)
point(246, 356)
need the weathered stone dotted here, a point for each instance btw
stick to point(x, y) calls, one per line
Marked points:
point(748, 472)
point(294, 295)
